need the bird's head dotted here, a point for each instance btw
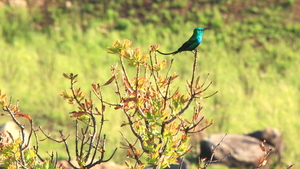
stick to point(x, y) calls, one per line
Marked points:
point(200, 31)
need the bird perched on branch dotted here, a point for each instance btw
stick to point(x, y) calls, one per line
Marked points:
point(191, 44)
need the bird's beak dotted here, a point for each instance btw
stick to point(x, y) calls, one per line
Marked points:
point(207, 28)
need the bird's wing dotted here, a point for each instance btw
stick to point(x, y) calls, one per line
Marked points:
point(189, 45)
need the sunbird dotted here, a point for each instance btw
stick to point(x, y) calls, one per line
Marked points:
point(191, 44)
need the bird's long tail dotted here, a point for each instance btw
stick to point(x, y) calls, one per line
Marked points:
point(172, 53)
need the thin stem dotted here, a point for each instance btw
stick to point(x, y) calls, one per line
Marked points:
point(182, 110)
point(74, 95)
point(125, 72)
point(213, 152)
point(194, 68)
point(67, 148)
point(171, 64)
point(94, 128)
point(155, 76)
point(19, 125)
point(100, 161)
point(134, 132)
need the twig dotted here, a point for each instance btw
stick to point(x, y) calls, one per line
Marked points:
point(133, 130)
point(67, 148)
point(263, 159)
point(194, 67)
point(125, 72)
point(171, 64)
point(99, 138)
point(213, 152)
point(36, 148)
point(50, 138)
point(22, 145)
point(133, 150)
point(155, 75)
point(76, 140)
point(94, 127)
point(181, 111)
point(19, 125)
point(100, 161)
point(214, 149)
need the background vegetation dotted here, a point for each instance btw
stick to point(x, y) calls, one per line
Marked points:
point(251, 54)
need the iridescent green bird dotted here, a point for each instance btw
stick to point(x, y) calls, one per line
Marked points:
point(191, 44)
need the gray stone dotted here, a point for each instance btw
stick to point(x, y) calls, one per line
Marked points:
point(244, 149)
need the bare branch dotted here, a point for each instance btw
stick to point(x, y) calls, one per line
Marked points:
point(194, 67)
point(50, 138)
point(210, 161)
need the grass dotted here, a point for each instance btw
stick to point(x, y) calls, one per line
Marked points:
point(253, 65)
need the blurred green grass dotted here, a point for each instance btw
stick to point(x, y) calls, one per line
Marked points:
point(253, 63)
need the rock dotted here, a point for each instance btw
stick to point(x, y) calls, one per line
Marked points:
point(245, 150)
point(13, 129)
point(272, 137)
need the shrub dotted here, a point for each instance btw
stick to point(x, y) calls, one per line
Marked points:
point(150, 100)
